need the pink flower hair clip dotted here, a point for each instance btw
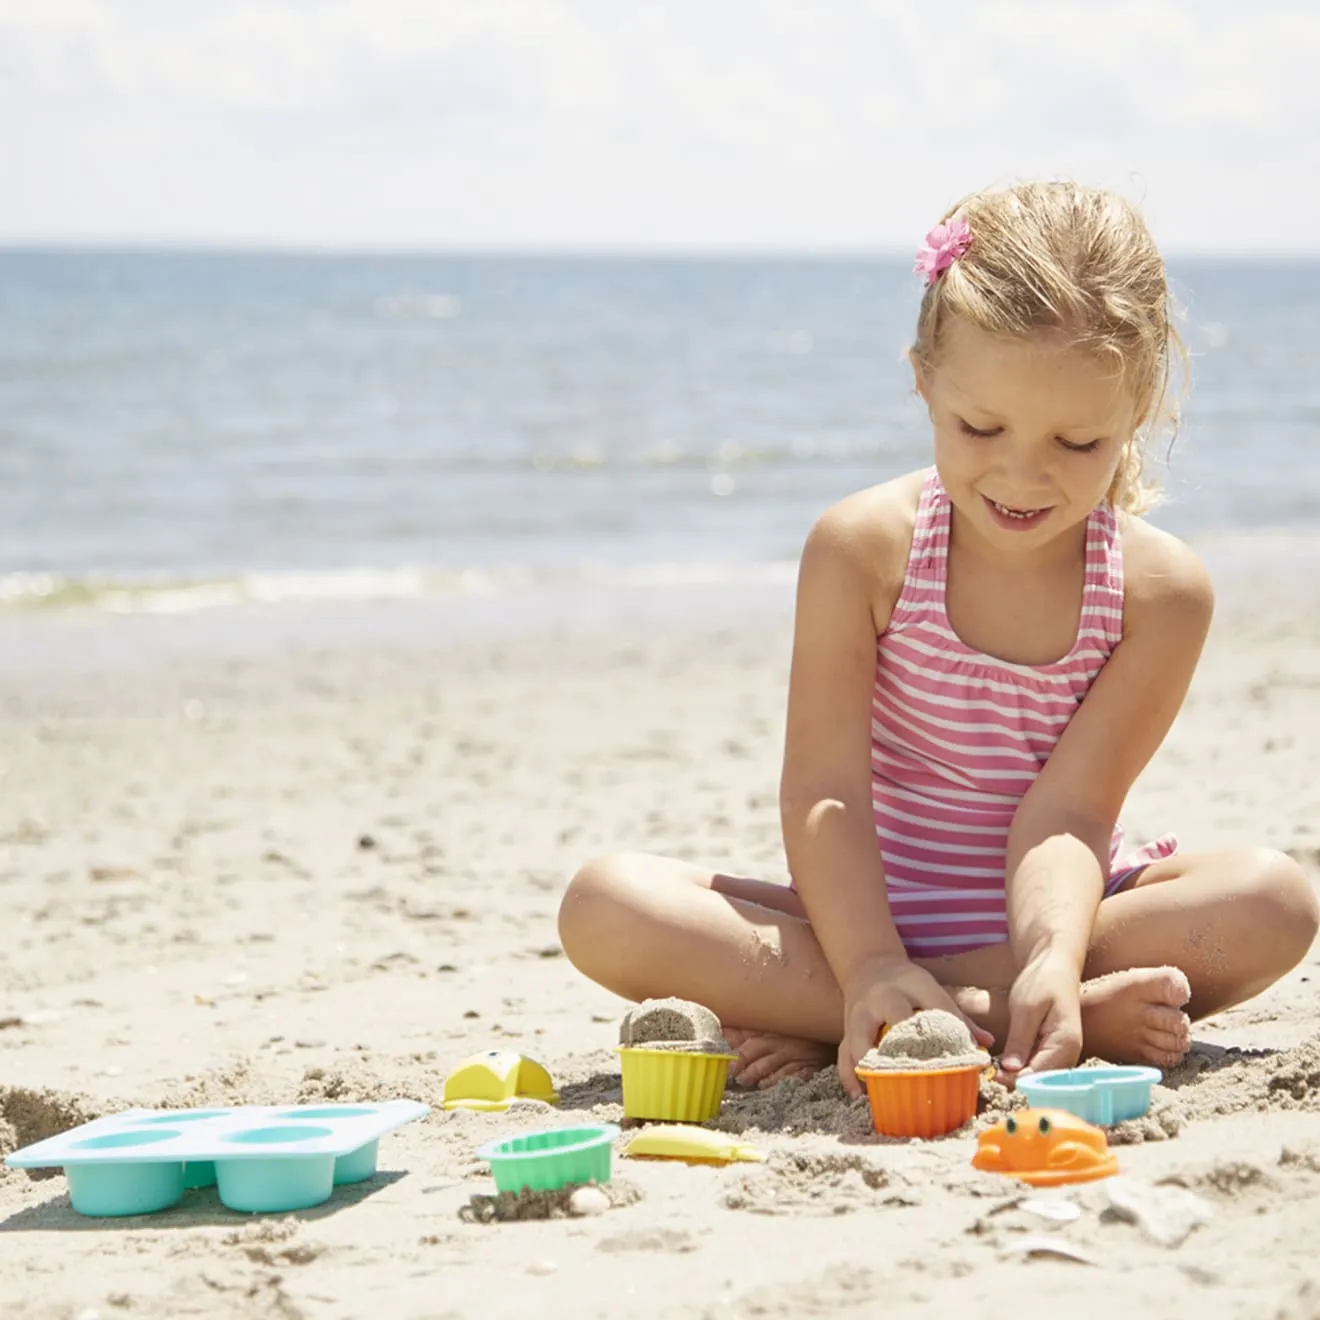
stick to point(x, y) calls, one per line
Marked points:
point(943, 246)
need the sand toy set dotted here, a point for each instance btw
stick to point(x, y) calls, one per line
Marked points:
point(259, 1158)
point(674, 1063)
point(922, 1081)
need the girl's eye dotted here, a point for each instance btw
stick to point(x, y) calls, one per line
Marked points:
point(1088, 448)
point(969, 429)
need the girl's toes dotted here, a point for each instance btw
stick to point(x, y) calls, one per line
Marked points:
point(748, 1075)
point(1166, 1020)
point(1167, 1058)
point(795, 1069)
point(1166, 1047)
point(1164, 1044)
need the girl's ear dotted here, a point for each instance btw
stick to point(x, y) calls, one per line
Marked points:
point(920, 379)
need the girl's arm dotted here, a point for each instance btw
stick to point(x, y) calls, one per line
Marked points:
point(851, 575)
point(1058, 847)
point(825, 787)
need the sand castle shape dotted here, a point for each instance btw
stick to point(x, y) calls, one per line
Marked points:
point(673, 1024)
point(931, 1038)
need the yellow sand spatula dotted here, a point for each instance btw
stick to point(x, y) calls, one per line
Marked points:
point(694, 1145)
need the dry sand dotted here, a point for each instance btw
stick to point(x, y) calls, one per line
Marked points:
point(293, 875)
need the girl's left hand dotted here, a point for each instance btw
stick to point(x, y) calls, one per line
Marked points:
point(1044, 1018)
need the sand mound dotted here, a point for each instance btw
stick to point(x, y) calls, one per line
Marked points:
point(235, 1083)
point(1212, 1081)
point(817, 1104)
point(1165, 1118)
point(994, 1101)
point(505, 1207)
point(30, 1116)
point(366, 1080)
point(798, 1182)
point(673, 1024)
point(931, 1038)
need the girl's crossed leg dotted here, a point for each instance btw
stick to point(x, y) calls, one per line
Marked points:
point(1187, 937)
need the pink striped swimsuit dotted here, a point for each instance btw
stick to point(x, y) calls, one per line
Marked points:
point(957, 738)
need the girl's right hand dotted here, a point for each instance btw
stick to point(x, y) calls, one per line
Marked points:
point(881, 993)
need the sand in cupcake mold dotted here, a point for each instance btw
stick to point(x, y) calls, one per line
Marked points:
point(673, 1024)
point(685, 1046)
point(931, 1038)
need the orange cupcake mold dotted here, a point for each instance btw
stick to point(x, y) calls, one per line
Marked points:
point(921, 1102)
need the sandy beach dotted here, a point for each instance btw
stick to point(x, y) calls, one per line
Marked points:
point(330, 870)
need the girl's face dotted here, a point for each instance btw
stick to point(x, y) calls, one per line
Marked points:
point(1028, 433)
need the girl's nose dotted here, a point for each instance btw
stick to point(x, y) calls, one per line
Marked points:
point(1023, 473)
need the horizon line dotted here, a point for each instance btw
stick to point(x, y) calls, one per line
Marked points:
point(20, 245)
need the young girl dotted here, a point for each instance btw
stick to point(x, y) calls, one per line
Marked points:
point(986, 654)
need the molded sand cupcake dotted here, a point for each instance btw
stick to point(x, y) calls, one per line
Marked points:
point(674, 1060)
point(922, 1079)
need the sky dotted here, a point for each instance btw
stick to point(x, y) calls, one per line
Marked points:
point(745, 125)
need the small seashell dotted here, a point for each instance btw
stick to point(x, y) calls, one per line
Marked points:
point(588, 1201)
point(1051, 1246)
point(1048, 1207)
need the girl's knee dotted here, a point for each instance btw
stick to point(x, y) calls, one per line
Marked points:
point(1283, 899)
point(594, 906)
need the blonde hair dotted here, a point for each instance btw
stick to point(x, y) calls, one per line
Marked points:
point(1060, 258)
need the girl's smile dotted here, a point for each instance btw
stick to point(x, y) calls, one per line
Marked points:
point(1016, 520)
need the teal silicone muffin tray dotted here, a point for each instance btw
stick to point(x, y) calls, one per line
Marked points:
point(1103, 1096)
point(259, 1158)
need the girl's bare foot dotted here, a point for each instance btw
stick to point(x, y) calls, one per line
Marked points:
point(1137, 1016)
point(765, 1059)
point(1133, 1016)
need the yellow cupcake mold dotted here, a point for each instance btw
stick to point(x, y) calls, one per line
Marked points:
point(681, 1086)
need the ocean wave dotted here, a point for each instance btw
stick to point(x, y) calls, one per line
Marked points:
point(414, 306)
point(161, 595)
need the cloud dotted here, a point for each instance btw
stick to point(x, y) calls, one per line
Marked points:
point(588, 121)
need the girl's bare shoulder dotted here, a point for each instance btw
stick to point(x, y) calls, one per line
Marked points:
point(1161, 572)
point(868, 536)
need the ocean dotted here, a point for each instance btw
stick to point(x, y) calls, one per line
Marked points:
point(190, 430)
